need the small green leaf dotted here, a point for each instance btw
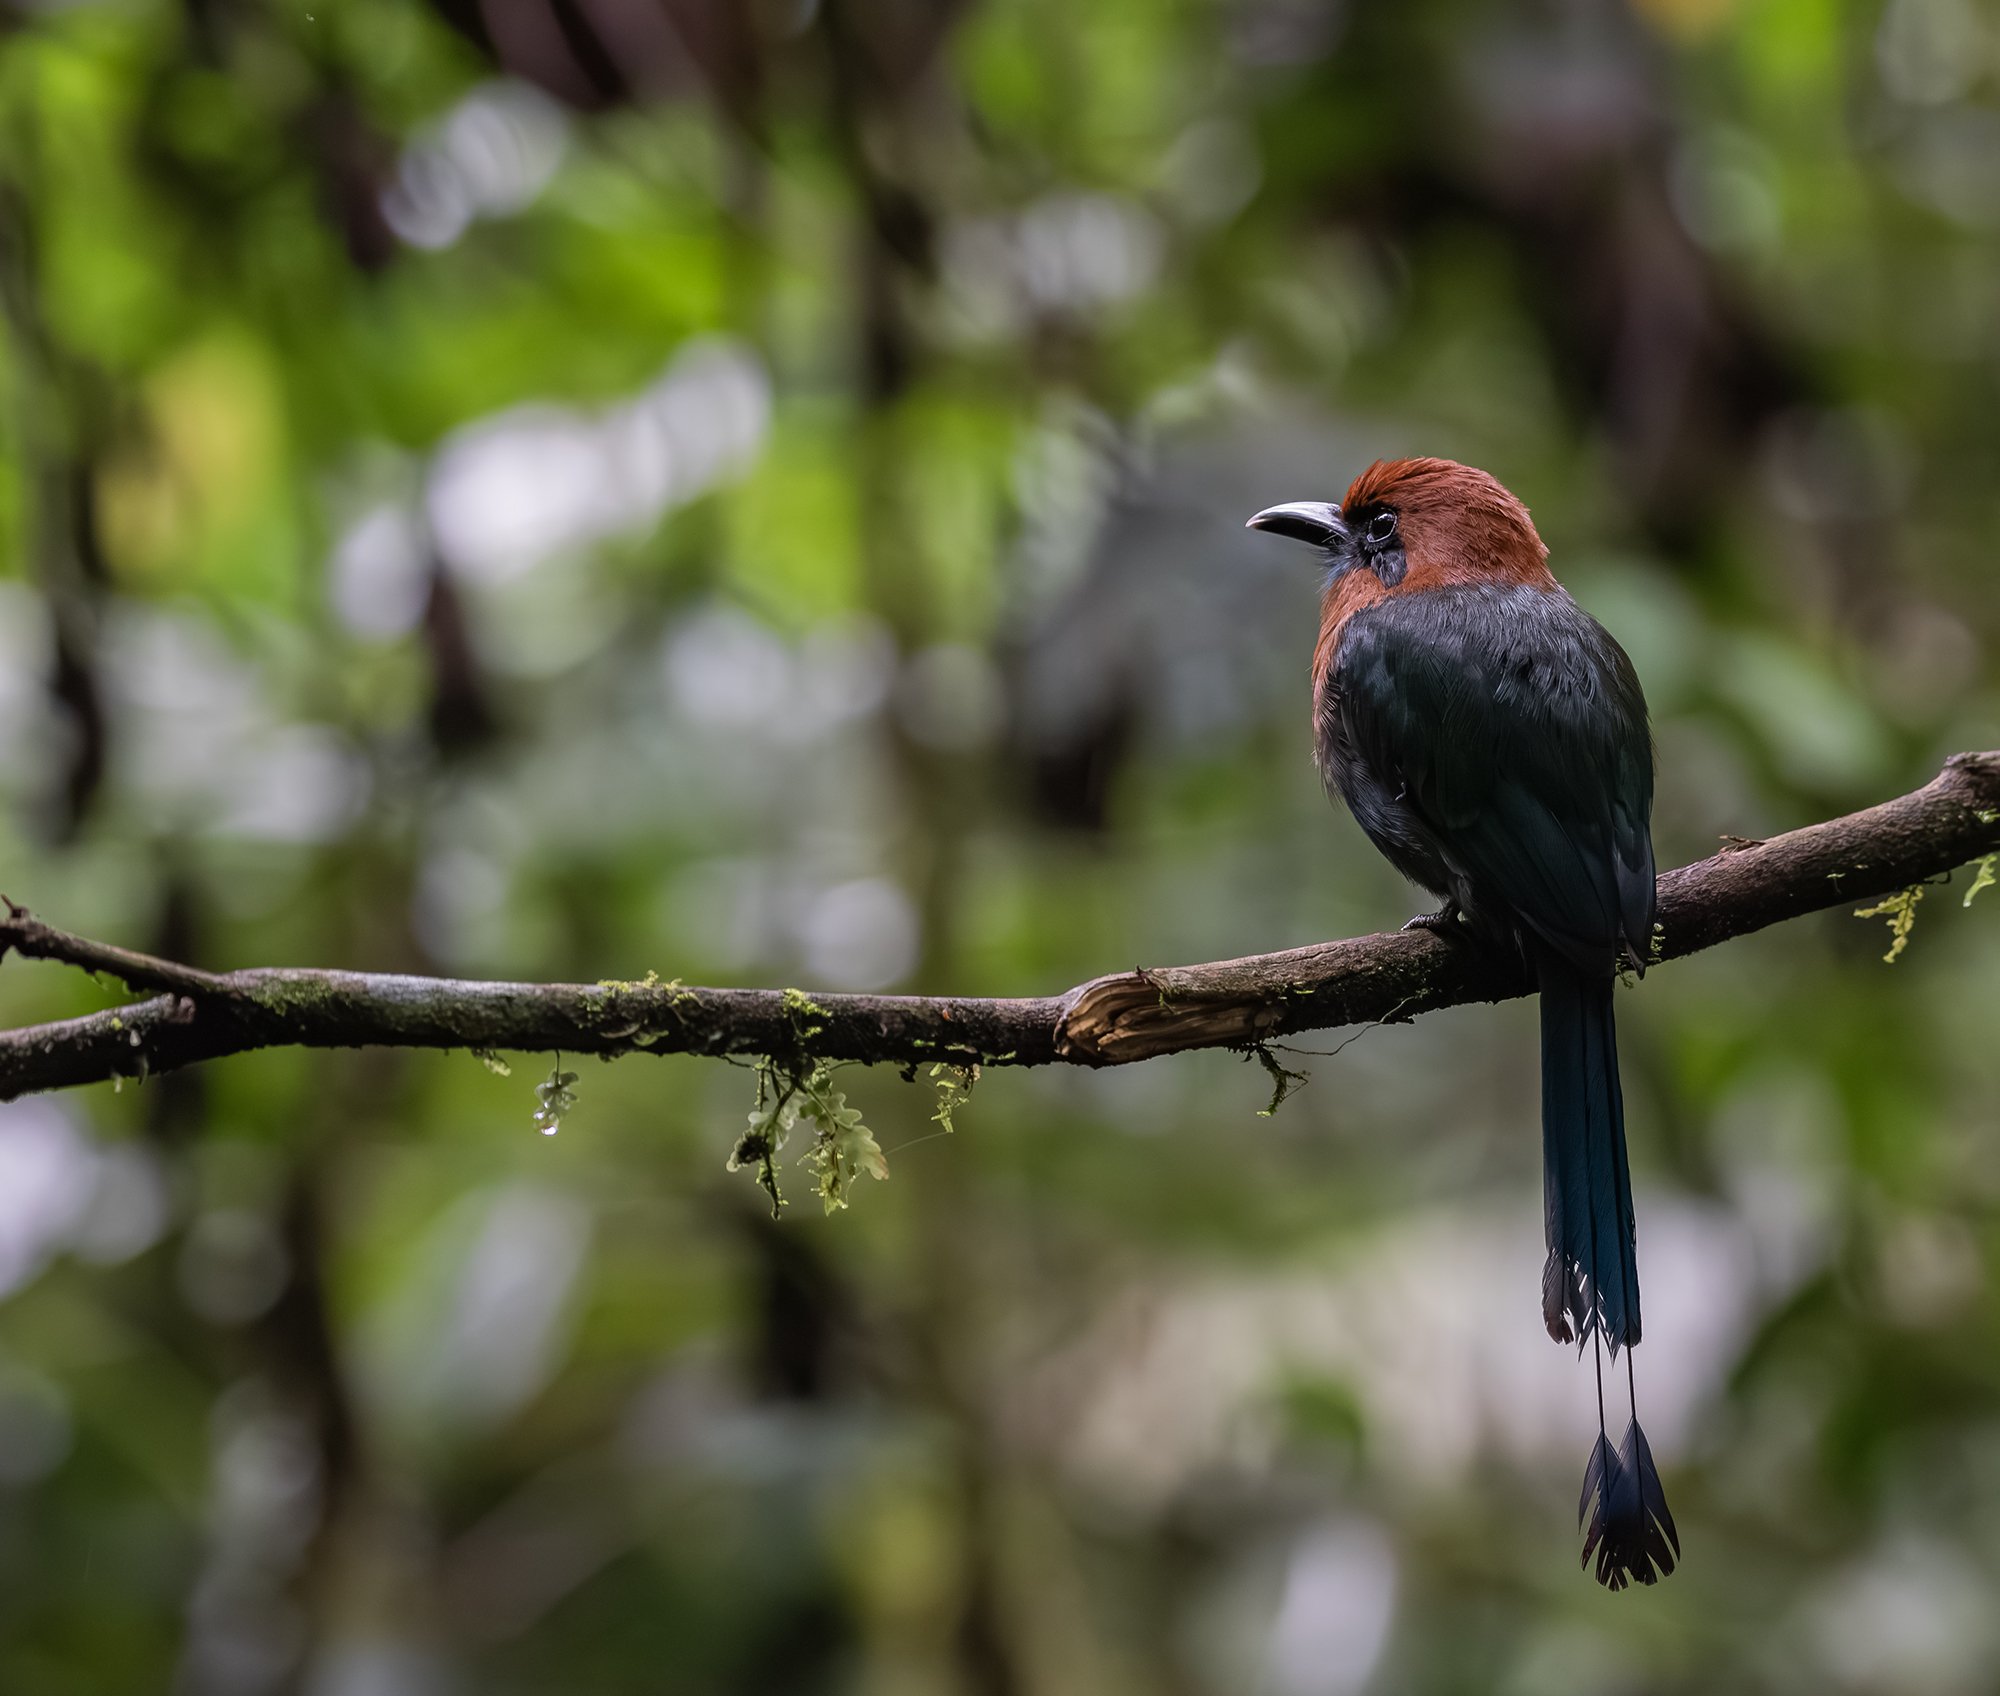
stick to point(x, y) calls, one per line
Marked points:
point(843, 1148)
point(557, 1095)
point(1982, 878)
point(843, 1152)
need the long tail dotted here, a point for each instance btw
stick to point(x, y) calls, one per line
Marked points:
point(1592, 1275)
point(1590, 1285)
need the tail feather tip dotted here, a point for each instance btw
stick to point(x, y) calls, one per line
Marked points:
point(1632, 1531)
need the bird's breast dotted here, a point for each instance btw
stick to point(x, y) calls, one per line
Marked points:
point(1345, 595)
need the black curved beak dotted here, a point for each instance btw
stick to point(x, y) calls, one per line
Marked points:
point(1303, 521)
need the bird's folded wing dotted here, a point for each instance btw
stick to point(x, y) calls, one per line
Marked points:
point(1514, 728)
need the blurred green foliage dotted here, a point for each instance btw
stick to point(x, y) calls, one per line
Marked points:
point(752, 492)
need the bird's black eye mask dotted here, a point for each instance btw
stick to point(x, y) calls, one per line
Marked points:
point(1377, 543)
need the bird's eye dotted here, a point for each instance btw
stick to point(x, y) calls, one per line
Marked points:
point(1381, 529)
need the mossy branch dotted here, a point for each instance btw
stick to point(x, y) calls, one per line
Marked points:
point(189, 1015)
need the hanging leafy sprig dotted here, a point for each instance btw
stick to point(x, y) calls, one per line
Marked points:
point(771, 1122)
point(954, 1088)
point(843, 1148)
point(557, 1095)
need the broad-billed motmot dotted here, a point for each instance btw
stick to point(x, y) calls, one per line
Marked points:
point(1490, 738)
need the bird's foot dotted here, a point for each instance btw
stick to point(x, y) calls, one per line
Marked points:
point(1441, 923)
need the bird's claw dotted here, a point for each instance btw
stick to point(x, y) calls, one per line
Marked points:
point(1440, 923)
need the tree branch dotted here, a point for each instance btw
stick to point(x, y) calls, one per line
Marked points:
point(198, 1015)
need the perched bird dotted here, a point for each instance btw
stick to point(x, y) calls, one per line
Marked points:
point(1490, 738)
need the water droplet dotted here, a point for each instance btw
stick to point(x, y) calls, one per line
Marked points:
point(550, 1130)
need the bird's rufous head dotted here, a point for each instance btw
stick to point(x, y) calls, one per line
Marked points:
point(1419, 524)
